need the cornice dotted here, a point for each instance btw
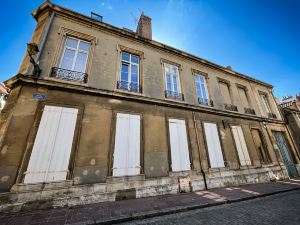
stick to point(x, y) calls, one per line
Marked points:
point(21, 79)
point(131, 35)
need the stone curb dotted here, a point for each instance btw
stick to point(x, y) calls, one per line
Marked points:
point(168, 211)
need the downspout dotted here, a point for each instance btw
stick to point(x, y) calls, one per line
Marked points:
point(42, 44)
point(197, 140)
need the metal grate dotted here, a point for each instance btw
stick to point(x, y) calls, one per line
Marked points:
point(230, 107)
point(174, 95)
point(69, 75)
point(250, 111)
point(128, 86)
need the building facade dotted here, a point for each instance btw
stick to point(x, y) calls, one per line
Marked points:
point(290, 107)
point(115, 115)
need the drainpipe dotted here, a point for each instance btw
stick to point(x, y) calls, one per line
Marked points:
point(42, 44)
point(197, 140)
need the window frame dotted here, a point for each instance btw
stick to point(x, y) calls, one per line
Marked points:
point(129, 63)
point(172, 82)
point(197, 74)
point(77, 50)
point(266, 103)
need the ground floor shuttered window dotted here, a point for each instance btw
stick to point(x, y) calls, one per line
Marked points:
point(213, 145)
point(49, 160)
point(179, 145)
point(241, 145)
point(126, 158)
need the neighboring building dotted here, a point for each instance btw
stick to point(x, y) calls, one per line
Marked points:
point(118, 115)
point(290, 107)
point(4, 91)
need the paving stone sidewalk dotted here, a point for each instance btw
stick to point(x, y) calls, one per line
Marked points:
point(126, 210)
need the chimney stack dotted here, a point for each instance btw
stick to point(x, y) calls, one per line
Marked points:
point(144, 28)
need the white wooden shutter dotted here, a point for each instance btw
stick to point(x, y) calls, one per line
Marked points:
point(179, 145)
point(50, 155)
point(127, 145)
point(213, 144)
point(241, 145)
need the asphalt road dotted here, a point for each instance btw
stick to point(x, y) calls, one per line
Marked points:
point(280, 209)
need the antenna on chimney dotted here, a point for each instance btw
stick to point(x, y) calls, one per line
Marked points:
point(134, 18)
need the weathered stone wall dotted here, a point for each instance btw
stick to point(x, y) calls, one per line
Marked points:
point(91, 161)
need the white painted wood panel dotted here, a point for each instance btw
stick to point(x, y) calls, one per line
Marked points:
point(241, 145)
point(179, 145)
point(127, 145)
point(50, 155)
point(214, 146)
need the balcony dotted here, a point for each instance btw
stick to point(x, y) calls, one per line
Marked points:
point(128, 86)
point(206, 102)
point(174, 95)
point(68, 75)
point(249, 111)
point(272, 115)
point(230, 107)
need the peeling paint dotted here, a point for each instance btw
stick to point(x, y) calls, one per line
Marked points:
point(93, 162)
point(4, 178)
point(222, 134)
point(85, 172)
point(4, 149)
point(97, 172)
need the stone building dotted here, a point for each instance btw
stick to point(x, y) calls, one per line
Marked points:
point(115, 114)
point(290, 107)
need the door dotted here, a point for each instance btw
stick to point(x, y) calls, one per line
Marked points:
point(127, 145)
point(49, 160)
point(261, 149)
point(241, 146)
point(179, 146)
point(213, 145)
point(285, 153)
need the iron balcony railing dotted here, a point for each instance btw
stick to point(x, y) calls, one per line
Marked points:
point(174, 95)
point(69, 75)
point(249, 111)
point(205, 101)
point(272, 115)
point(128, 86)
point(230, 107)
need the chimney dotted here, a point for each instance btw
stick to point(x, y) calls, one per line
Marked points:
point(144, 28)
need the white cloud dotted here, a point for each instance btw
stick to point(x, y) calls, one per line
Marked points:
point(106, 5)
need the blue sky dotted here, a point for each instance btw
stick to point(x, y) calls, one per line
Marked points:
point(260, 38)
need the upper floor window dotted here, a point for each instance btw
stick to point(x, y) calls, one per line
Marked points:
point(225, 92)
point(129, 72)
point(202, 90)
point(75, 55)
point(73, 61)
point(245, 100)
point(266, 105)
point(172, 82)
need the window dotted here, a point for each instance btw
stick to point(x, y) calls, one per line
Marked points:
point(172, 82)
point(243, 97)
point(213, 145)
point(75, 55)
point(265, 102)
point(179, 145)
point(129, 72)
point(202, 89)
point(127, 145)
point(260, 147)
point(225, 92)
point(49, 160)
point(241, 146)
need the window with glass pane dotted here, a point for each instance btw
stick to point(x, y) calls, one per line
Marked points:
point(75, 55)
point(172, 81)
point(202, 89)
point(129, 74)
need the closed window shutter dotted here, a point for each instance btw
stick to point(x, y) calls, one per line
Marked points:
point(241, 145)
point(213, 144)
point(127, 145)
point(50, 155)
point(179, 145)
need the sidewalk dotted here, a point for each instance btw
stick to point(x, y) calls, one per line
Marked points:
point(126, 210)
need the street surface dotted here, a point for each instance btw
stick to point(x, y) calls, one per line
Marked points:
point(280, 209)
